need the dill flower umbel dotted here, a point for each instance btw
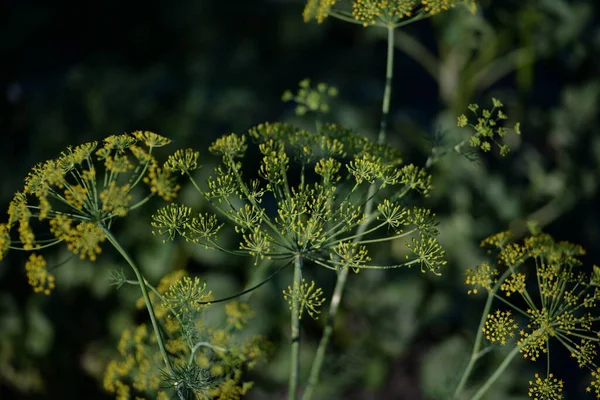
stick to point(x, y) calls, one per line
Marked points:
point(558, 305)
point(318, 209)
point(77, 195)
point(383, 12)
point(208, 363)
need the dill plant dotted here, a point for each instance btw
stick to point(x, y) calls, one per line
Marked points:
point(317, 199)
point(78, 196)
point(320, 184)
point(543, 298)
point(320, 197)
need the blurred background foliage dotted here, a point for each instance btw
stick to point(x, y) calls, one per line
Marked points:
point(193, 70)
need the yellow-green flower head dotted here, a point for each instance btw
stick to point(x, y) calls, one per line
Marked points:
point(79, 193)
point(370, 12)
point(305, 296)
point(549, 388)
point(317, 9)
point(4, 240)
point(238, 314)
point(437, 6)
point(307, 197)
point(37, 273)
point(483, 276)
point(499, 327)
point(207, 362)
point(183, 161)
point(561, 302)
point(151, 139)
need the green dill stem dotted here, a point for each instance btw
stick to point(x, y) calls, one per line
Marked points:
point(387, 94)
point(343, 17)
point(475, 353)
point(498, 372)
point(295, 330)
point(203, 344)
point(342, 276)
point(142, 284)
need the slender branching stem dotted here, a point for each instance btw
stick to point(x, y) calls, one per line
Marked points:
point(295, 329)
point(149, 306)
point(498, 372)
point(387, 93)
point(342, 275)
point(476, 353)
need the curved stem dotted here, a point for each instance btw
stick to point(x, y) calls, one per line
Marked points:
point(342, 275)
point(149, 306)
point(476, 353)
point(317, 365)
point(295, 330)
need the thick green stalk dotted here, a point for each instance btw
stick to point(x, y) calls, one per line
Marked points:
point(149, 306)
point(295, 329)
point(342, 275)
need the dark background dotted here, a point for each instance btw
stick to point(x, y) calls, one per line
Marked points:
point(193, 70)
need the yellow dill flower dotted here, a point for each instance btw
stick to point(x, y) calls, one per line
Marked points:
point(499, 326)
point(187, 294)
point(183, 160)
point(39, 277)
point(549, 388)
point(160, 310)
point(532, 343)
point(437, 6)
point(119, 142)
point(513, 254)
point(151, 139)
point(124, 342)
point(388, 11)
point(230, 389)
point(306, 298)
point(17, 209)
point(238, 314)
point(162, 183)
point(26, 234)
point(595, 383)
point(44, 207)
point(514, 283)
point(122, 391)
point(116, 199)
point(85, 240)
point(162, 395)
point(498, 240)
point(317, 9)
point(118, 163)
point(584, 352)
point(142, 155)
point(4, 240)
point(76, 205)
point(76, 196)
point(482, 276)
